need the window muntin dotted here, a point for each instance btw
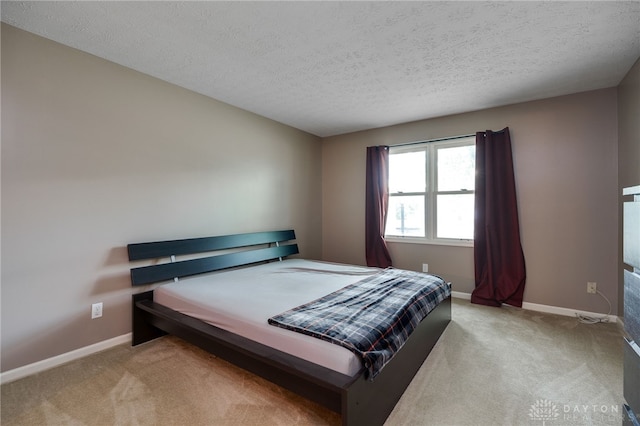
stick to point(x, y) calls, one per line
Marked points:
point(431, 189)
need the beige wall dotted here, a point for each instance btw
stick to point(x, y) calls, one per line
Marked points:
point(629, 146)
point(565, 159)
point(95, 156)
point(629, 128)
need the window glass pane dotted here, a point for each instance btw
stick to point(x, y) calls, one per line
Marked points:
point(456, 168)
point(406, 216)
point(407, 172)
point(455, 216)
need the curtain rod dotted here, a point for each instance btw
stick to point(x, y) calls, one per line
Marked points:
point(433, 140)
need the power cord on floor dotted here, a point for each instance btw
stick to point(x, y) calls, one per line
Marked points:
point(586, 319)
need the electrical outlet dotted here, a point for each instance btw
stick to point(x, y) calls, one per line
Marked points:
point(425, 267)
point(96, 310)
point(592, 287)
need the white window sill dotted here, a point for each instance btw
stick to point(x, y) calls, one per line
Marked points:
point(440, 242)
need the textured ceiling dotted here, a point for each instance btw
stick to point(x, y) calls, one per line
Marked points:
point(336, 67)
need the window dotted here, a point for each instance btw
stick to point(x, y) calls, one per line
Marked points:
point(431, 191)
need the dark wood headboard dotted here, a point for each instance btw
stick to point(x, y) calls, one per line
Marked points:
point(251, 243)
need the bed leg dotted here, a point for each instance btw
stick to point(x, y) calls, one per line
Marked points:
point(142, 330)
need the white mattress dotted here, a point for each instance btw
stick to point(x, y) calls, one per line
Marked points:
point(242, 300)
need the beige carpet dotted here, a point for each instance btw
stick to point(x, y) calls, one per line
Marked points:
point(493, 366)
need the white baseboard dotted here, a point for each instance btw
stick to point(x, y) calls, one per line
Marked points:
point(548, 309)
point(460, 295)
point(46, 364)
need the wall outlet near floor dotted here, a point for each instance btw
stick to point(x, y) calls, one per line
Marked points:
point(592, 287)
point(96, 310)
point(425, 267)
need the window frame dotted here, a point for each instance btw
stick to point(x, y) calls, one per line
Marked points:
point(431, 193)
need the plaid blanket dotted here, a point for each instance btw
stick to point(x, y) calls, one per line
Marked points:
point(373, 317)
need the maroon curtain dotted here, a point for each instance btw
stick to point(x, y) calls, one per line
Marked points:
point(499, 261)
point(376, 204)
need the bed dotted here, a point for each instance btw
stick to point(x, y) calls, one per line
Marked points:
point(202, 302)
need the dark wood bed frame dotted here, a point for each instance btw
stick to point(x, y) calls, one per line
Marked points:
point(358, 400)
